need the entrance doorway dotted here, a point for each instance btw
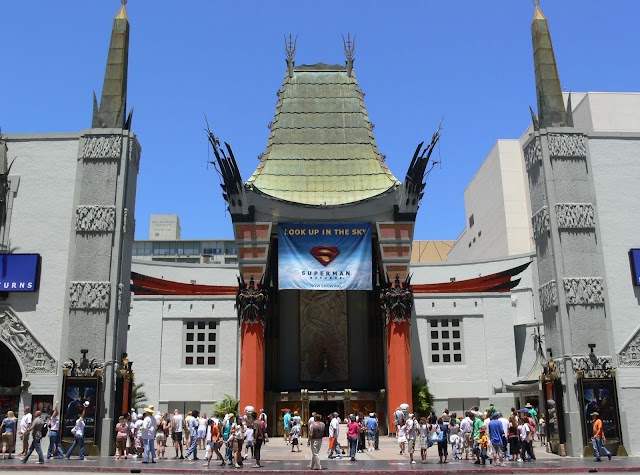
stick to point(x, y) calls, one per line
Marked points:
point(10, 381)
point(324, 408)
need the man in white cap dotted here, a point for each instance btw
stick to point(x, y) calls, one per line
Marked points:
point(149, 428)
point(410, 430)
point(372, 427)
point(334, 432)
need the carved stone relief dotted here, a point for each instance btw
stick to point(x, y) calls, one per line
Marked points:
point(548, 294)
point(575, 215)
point(35, 359)
point(90, 295)
point(324, 343)
point(533, 153)
point(559, 367)
point(592, 366)
point(567, 145)
point(102, 147)
point(95, 218)
point(584, 290)
point(128, 224)
point(540, 222)
point(630, 354)
point(135, 150)
point(124, 299)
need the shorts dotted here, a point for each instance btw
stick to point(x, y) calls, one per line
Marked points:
point(412, 445)
point(497, 448)
point(468, 441)
point(442, 449)
point(424, 442)
point(294, 441)
point(237, 445)
point(160, 437)
point(8, 438)
point(371, 436)
point(287, 431)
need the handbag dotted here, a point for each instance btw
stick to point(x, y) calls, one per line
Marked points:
point(73, 430)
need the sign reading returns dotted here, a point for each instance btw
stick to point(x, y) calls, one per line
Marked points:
point(327, 256)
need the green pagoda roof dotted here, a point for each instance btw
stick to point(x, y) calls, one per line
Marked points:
point(321, 150)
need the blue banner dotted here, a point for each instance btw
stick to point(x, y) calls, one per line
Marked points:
point(19, 272)
point(333, 256)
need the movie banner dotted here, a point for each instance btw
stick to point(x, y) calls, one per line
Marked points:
point(324, 256)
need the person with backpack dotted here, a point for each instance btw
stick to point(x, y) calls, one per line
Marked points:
point(38, 430)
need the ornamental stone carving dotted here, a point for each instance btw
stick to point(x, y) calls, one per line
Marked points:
point(128, 224)
point(558, 364)
point(90, 295)
point(95, 218)
point(575, 215)
point(584, 290)
point(533, 153)
point(396, 301)
point(540, 222)
point(34, 358)
point(251, 302)
point(592, 366)
point(567, 145)
point(548, 294)
point(102, 147)
point(630, 354)
point(124, 299)
point(135, 150)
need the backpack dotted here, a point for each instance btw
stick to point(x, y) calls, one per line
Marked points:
point(45, 429)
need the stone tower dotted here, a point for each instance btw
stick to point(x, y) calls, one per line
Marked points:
point(99, 268)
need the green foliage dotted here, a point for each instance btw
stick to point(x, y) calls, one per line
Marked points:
point(227, 405)
point(422, 397)
point(138, 397)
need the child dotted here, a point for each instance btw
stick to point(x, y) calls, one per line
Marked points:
point(542, 431)
point(454, 439)
point(483, 443)
point(295, 435)
point(248, 441)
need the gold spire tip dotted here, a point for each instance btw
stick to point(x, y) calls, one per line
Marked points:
point(122, 13)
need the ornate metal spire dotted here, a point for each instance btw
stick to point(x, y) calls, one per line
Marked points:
point(290, 50)
point(349, 49)
point(551, 110)
point(113, 104)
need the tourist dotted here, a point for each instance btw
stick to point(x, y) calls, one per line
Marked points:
point(263, 418)
point(54, 434)
point(505, 435)
point(483, 445)
point(410, 432)
point(352, 436)
point(187, 431)
point(454, 438)
point(138, 443)
point(311, 420)
point(445, 416)
point(215, 443)
point(227, 423)
point(286, 420)
point(162, 432)
point(259, 437)
point(237, 431)
point(148, 433)
point(296, 417)
point(122, 433)
point(401, 435)
point(25, 427)
point(423, 431)
point(132, 432)
point(316, 432)
point(8, 431)
point(476, 421)
point(532, 412)
point(177, 424)
point(78, 437)
point(334, 433)
point(249, 441)
point(443, 441)
point(193, 434)
point(202, 432)
point(496, 433)
point(362, 433)
point(598, 437)
point(466, 428)
point(542, 427)
point(525, 439)
point(295, 435)
point(513, 436)
point(36, 430)
point(372, 427)
point(397, 415)
point(376, 440)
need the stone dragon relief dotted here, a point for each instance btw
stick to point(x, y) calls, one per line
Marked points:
point(89, 295)
point(251, 302)
point(630, 354)
point(102, 147)
point(584, 290)
point(548, 294)
point(324, 339)
point(34, 358)
point(567, 145)
point(397, 301)
point(592, 366)
point(575, 215)
point(540, 222)
point(533, 153)
point(95, 218)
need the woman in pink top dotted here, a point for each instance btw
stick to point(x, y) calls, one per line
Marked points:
point(352, 436)
point(122, 432)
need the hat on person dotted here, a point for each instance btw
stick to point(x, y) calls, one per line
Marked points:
point(150, 409)
point(528, 405)
point(481, 430)
point(411, 414)
point(594, 413)
point(371, 414)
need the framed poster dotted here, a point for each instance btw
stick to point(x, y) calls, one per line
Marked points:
point(43, 404)
point(599, 395)
point(80, 394)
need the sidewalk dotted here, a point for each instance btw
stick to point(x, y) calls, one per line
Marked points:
point(277, 457)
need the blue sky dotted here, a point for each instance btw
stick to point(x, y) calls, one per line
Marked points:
point(415, 60)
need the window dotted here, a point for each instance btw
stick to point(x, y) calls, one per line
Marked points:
point(199, 337)
point(446, 344)
point(471, 221)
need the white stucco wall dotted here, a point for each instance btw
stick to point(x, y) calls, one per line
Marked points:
point(41, 222)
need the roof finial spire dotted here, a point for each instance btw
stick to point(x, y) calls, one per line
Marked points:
point(536, 3)
point(290, 50)
point(349, 49)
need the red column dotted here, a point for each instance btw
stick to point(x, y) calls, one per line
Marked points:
point(252, 365)
point(399, 382)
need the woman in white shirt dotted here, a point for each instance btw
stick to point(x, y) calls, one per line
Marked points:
point(402, 436)
point(78, 437)
point(54, 435)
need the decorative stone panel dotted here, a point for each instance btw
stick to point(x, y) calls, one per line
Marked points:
point(575, 215)
point(13, 333)
point(124, 299)
point(134, 153)
point(540, 222)
point(95, 218)
point(548, 294)
point(102, 147)
point(584, 290)
point(567, 145)
point(90, 295)
point(592, 366)
point(558, 364)
point(630, 354)
point(128, 224)
point(533, 153)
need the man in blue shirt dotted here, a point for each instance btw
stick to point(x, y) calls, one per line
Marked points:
point(287, 425)
point(372, 426)
point(496, 432)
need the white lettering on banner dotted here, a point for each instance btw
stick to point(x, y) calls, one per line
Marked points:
point(16, 285)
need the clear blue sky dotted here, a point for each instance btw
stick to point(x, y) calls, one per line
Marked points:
point(415, 60)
